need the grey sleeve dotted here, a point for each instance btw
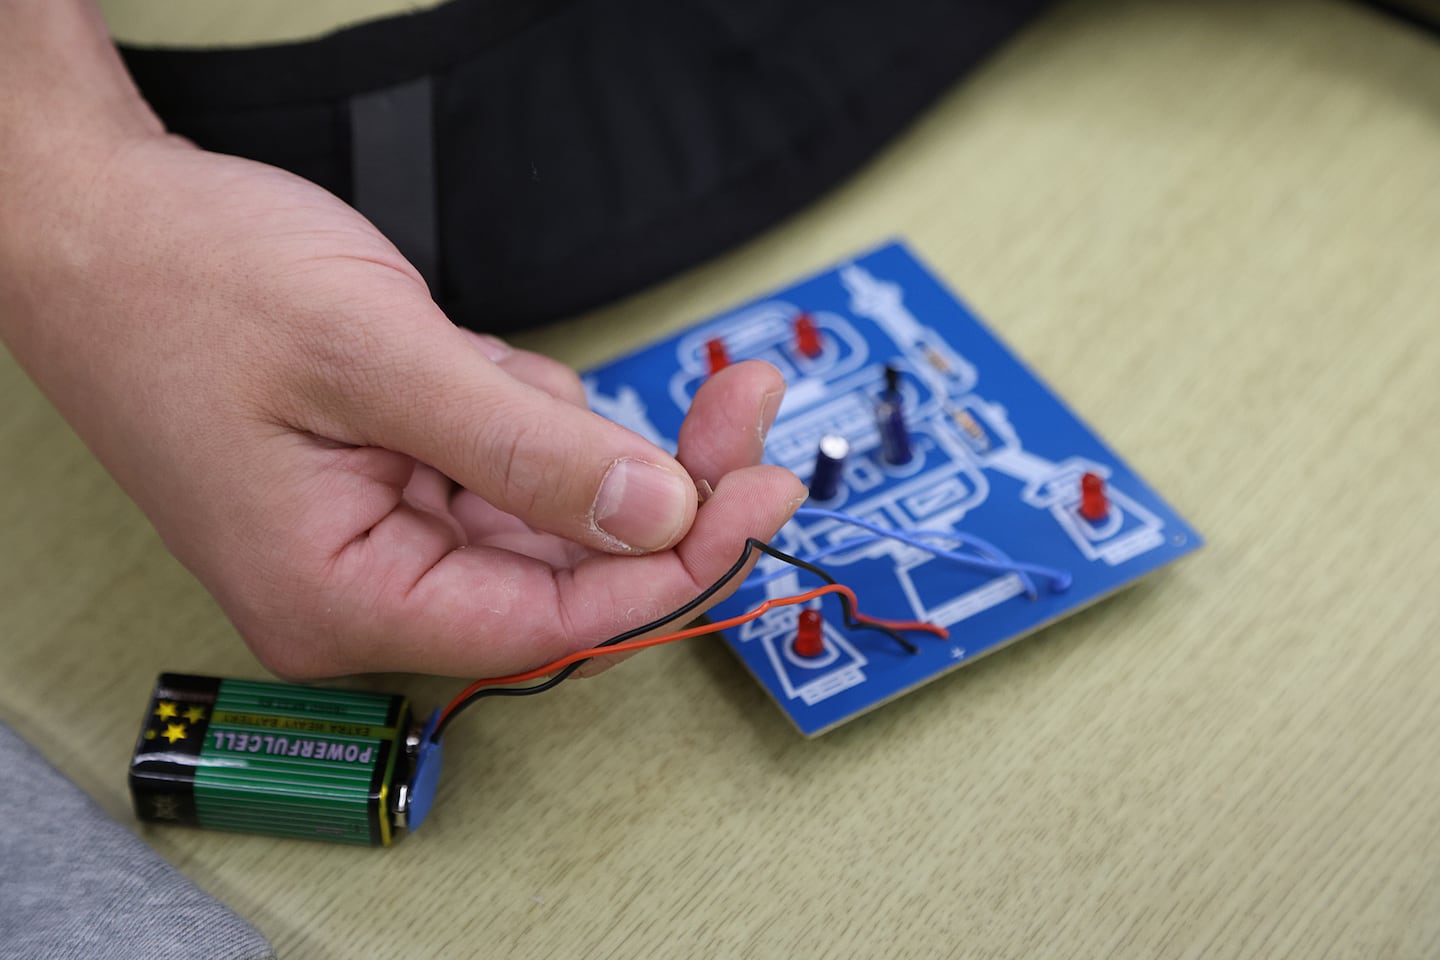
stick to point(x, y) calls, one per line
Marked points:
point(74, 883)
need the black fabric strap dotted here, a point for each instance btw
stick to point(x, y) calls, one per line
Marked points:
point(368, 56)
point(1421, 14)
point(392, 169)
point(535, 158)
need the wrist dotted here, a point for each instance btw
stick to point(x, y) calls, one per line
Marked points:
point(65, 97)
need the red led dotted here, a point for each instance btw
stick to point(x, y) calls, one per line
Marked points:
point(807, 337)
point(719, 358)
point(810, 637)
point(1094, 506)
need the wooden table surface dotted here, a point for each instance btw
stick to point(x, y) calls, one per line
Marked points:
point(1215, 228)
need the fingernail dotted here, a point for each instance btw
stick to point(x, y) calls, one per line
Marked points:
point(769, 407)
point(641, 505)
point(493, 347)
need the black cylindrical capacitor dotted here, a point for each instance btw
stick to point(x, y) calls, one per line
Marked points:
point(829, 466)
point(890, 421)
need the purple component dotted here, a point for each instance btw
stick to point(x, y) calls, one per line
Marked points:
point(894, 435)
point(829, 467)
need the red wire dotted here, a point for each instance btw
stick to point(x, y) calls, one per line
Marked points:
point(715, 627)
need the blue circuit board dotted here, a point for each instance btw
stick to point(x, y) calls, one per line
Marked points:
point(995, 475)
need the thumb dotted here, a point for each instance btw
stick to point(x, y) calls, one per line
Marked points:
point(556, 466)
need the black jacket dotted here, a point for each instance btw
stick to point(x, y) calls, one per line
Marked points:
point(537, 158)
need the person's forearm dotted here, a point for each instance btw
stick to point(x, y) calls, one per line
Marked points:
point(66, 107)
point(62, 85)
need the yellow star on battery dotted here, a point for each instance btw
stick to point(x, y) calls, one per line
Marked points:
point(195, 714)
point(174, 731)
point(165, 710)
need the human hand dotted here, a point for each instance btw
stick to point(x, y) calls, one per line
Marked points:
point(360, 484)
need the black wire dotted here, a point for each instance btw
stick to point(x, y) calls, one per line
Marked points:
point(850, 620)
point(751, 545)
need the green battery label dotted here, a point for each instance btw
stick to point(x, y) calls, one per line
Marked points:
point(270, 758)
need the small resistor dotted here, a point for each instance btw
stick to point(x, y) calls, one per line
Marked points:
point(829, 467)
point(807, 336)
point(717, 355)
point(810, 635)
point(967, 422)
point(937, 360)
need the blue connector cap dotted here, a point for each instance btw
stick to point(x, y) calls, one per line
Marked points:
point(427, 775)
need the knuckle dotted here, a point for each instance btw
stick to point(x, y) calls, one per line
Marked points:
point(521, 465)
point(559, 380)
